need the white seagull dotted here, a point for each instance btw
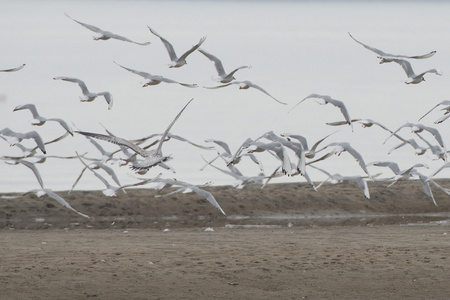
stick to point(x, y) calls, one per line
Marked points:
point(97, 165)
point(383, 55)
point(87, 95)
point(16, 137)
point(151, 158)
point(29, 165)
point(150, 79)
point(244, 85)
point(340, 147)
point(417, 128)
point(413, 78)
point(39, 120)
point(105, 35)
point(186, 188)
point(361, 181)
point(176, 61)
point(222, 77)
point(324, 99)
point(227, 155)
point(51, 194)
point(13, 69)
point(447, 109)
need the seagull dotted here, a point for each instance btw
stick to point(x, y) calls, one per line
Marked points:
point(151, 158)
point(399, 174)
point(324, 99)
point(413, 78)
point(244, 85)
point(417, 128)
point(187, 187)
point(29, 165)
point(227, 154)
point(361, 181)
point(31, 152)
point(155, 79)
point(340, 147)
point(364, 122)
point(39, 120)
point(87, 95)
point(438, 152)
point(105, 35)
point(309, 153)
point(110, 190)
point(95, 166)
point(419, 150)
point(16, 137)
point(222, 77)
point(13, 69)
point(444, 166)
point(383, 55)
point(51, 194)
point(447, 109)
point(410, 174)
point(251, 146)
point(234, 172)
point(176, 61)
point(294, 146)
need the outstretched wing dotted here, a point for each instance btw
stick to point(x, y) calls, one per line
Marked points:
point(115, 140)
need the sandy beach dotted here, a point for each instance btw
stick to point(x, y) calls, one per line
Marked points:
point(284, 241)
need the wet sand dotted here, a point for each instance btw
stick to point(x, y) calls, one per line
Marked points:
point(285, 241)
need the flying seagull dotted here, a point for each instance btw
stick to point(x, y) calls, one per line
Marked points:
point(413, 78)
point(151, 158)
point(324, 99)
point(443, 102)
point(51, 194)
point(187, 187)
point(384, 57)
point(38, 120)
point(150, 79)
point(13, 69)
point(87, 95)
point(244, 85)
point(222, 77)
point(13, 137)
point(106, 35)
point(176, 61)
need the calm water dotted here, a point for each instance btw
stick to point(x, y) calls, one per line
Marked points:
point(295, 48)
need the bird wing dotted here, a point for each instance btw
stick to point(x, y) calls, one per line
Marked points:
point(63, 202)
point(251, 84)
point(343, 109)
point(195, 47)
point(90, 27)
point(169, 47)
point(377, 51)
point(13, 69)
point(406, 65)
point(33, 168)
point(30, 107)
point(208, 197)
point(140, 73)
point(444, 102)
point(115, 140)
point(63, 124)
point(217, 63)
point(108, 98)
point(80, 82)
point(166, 132)
point(122, 38)
point(387, 55)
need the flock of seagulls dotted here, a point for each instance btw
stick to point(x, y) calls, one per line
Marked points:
point(291, 150)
